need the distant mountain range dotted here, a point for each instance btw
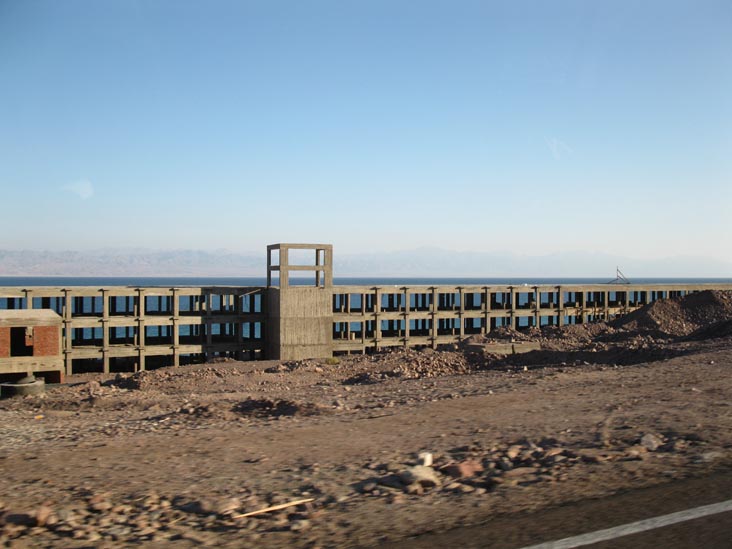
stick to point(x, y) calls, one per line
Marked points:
point(131, 263)
point(431, 262)
point(424, 262)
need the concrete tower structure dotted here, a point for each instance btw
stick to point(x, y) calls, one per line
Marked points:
point(299, 317)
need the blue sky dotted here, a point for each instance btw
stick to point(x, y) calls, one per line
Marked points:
point(374, 125)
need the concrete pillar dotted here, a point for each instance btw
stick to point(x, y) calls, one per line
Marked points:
point(582, 300)
point(176, 326)
point(284, 271)
point(377, 321)
point(405, 315)
point(238, 328)
point(269, 264)
point(560, 306)
point(317, 264)
point(105, 330)
point(68, 327)
point(140, 315)
point(328, 264)
point(207, 323)
point(461, 313)
point(433, 315)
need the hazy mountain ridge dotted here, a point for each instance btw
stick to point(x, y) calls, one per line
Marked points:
point(432, 262)
point(130, 263)
point(424, 262)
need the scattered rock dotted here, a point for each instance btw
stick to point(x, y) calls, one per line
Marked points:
point(227, 506)
point(464, 469)
point(651, 442)
point(595, 455)
point(300, 525)
point(394, 467)
point(43, 514)
point(19, 519)
point(200, 507)
point(636, 452)
point(368, 487)
point(197, 537)
point(414, 489)
point(519, 472)
point(391, 481)
point(514, 451)
point(419, 474)
point(708, 457)
point(552, 452)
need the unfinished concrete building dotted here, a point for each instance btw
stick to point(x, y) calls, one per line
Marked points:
point(132, 328)
point(30, 343)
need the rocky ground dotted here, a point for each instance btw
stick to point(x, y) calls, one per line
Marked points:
point(367, 449)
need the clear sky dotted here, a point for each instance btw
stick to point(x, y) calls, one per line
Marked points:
point(374, 125)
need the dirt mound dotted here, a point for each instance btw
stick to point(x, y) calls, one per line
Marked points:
point(408, 364)
point(199, 411)
point(501, 334)
point(192, 413)
point(713, 331)
point(576, 332)
point(307, 365)
point(569, 336)
point(264, 407)
point(364, 378)
point(171, 379)
point(679, 316)
point(134, 382)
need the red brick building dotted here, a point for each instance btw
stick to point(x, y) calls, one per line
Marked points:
point(30, 343)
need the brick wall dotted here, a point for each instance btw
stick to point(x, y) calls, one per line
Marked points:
point(45, 340)
point(4, 341)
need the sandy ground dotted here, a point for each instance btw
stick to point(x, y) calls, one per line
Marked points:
point(178, 457)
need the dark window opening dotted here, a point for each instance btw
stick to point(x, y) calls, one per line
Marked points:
point(21, 342)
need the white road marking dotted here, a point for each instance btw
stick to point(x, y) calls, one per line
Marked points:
point(635, 527)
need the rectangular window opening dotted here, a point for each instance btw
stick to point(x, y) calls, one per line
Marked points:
point(21, 341)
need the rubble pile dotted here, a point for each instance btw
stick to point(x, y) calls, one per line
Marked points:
point(410, 364)
point(679, 316)
point(475, 470)
point(155, 518)
point(479, 470)
point(717, 330)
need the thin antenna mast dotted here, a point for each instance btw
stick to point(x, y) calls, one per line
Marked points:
point(620, 278)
